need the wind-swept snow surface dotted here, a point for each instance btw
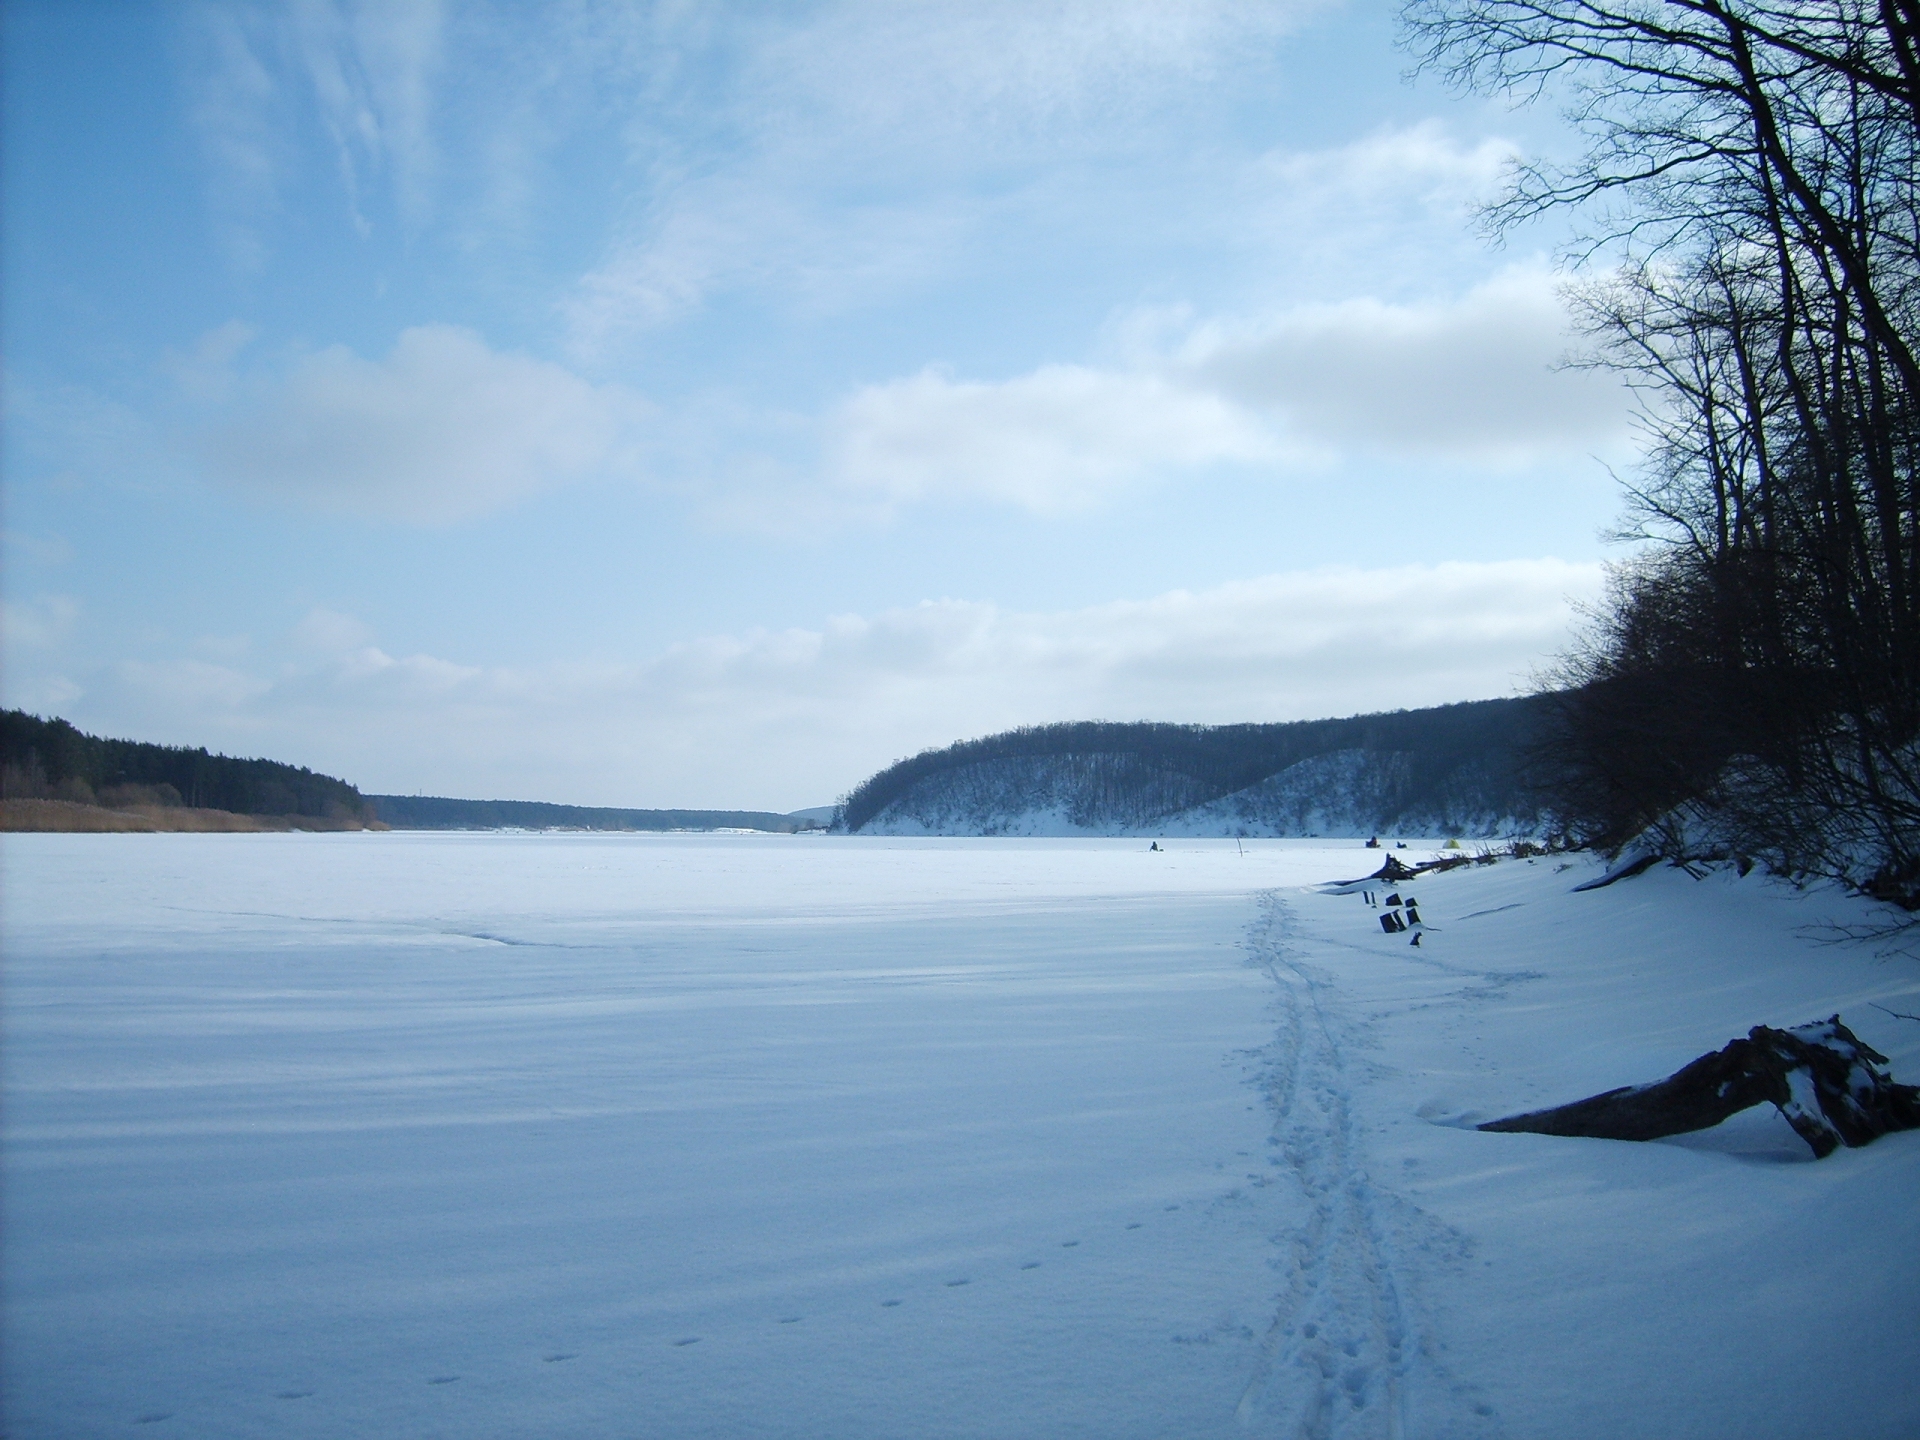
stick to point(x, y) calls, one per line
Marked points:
point(495, 1135)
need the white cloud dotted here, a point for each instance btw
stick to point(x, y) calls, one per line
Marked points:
point(205, 372)
point(41, 623)
point(781, 718)
point(192, 686)
point(330, 632)
point(43, 695)
point(442, 429)
point(34, 640)
point(1390, 213)
point(445, 428)
point(1054, 439)
point(1420, 164)
point(1478, 377)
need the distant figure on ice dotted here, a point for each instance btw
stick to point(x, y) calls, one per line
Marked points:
point(1374, 843)
point(1154, 846)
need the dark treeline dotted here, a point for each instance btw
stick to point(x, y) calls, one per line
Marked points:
point(436, 812)
point(50, 759)
point(1752, 182)
point(1141, 769)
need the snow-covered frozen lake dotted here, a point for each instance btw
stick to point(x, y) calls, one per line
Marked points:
point(574, 1135)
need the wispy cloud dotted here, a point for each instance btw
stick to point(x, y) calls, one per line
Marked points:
point(371, 64)
point(861, 146)
point(234, 111)
point(781, 718)
point(361, 71)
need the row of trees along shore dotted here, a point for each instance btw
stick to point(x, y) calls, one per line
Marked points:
point(1751, 254)
point(50, 759)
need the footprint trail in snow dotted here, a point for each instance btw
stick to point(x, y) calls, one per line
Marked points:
point(1345, 1357)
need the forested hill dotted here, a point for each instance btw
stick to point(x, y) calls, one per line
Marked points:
point(436, 812)
point(1454, 769)
point(50, 758)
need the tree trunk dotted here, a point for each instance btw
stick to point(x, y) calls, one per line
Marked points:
point(1833, 1088)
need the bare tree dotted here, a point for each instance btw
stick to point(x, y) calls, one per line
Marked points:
point(1752, 263)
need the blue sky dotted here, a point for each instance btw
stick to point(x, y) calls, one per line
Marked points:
point(693, 404)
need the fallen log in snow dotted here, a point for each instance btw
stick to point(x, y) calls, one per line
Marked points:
point(1833, 1088)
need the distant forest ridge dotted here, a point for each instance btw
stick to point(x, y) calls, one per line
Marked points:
point(1452, 768)
point(437, 812)
point(50, 759)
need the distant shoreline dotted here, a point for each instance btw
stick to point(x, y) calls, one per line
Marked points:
point(72, 817)
point(440, 812)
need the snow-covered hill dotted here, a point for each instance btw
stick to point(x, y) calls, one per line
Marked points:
point(1347, 793)
point(1450, 770)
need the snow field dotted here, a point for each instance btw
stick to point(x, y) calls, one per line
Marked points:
point(490, 1135)
point(485, 1135)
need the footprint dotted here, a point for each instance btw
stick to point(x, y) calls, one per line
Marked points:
point(1068, 1244)
point(1172, 1208)
point(1134, 1226)
point(556, 1359)
point(293, 1394)
point(688, 1340)
point(789, 1319)
point(888, 1304)
point(1031, 1265)
point(952, 1283)
point(155, 1418)
point(443, 1379)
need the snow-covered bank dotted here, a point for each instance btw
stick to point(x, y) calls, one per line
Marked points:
point(687, 1136)
point(1344, 794)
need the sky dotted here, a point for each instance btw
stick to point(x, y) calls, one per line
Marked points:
point(691, 404)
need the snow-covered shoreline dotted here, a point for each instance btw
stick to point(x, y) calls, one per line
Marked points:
point(575, 1134)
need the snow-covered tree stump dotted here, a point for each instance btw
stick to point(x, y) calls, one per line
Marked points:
point(1833, 1088)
